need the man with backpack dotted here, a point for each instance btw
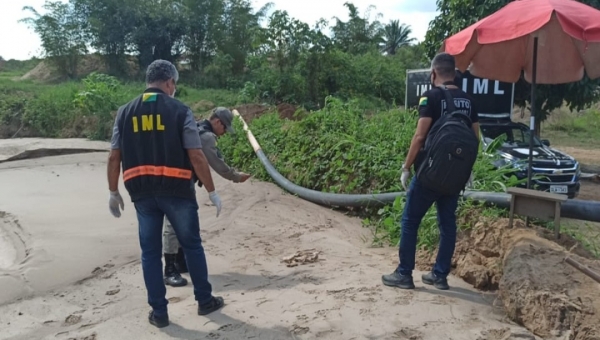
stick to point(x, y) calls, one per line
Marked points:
point(220, 122)
point(443, 151)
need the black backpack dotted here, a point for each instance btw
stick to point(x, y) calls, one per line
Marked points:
point(449, 153)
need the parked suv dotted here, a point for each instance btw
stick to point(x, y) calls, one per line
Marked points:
point(557, 172)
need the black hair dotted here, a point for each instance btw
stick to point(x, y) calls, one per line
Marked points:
point(444, 65)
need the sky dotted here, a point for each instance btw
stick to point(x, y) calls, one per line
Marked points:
point(18, 41)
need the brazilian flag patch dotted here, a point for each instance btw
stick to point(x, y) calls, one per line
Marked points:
point(149, 97)
point(423, 101)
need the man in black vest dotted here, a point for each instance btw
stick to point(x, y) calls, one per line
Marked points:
point(420, 198)
point(220, 121)
point(156, 140)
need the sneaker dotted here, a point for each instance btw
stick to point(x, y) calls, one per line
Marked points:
point(158, 321)
point(396, 279)
point(214, 304)
point(437, 281)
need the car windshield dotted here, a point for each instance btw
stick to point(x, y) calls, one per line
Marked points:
point(513, 136)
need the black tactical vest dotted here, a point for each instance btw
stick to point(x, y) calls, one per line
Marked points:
point(153, 158)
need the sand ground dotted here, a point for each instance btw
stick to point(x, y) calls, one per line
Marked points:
point(70, 270)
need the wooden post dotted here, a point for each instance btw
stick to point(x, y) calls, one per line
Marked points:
point(557, 220)
point(537, 204)
point(512, 211)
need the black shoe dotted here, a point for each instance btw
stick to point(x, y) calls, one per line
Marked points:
point(396, 279)
point(172, 276)
point(437, 281)
point(160, 322)
point(214, 304)
point(180, 263)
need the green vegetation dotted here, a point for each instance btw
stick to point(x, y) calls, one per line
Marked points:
point(81, 109)
point(221, 44)
point(574, 129)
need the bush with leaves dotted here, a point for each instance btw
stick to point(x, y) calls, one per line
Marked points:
point(101, 96)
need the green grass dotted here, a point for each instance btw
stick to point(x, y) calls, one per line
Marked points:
point(49, 110)
point(586, 233)
point(573, 129)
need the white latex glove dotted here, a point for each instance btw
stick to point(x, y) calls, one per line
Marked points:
point(114, 201)
point(216, 200)
point(404, 178)
point(470, 182)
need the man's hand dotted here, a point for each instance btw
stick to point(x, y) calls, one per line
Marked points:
point(404, 177)
point(216, 200)
point(115, 200)
point(244, 177)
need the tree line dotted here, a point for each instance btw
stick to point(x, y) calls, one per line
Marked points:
point(229, 44)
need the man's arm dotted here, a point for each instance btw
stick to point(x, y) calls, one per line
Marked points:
point(475, 127)
point(474, 117)
point(113, 168)
point(418, 140)
point(216, 161)
point(193, 145)
point(423, 125)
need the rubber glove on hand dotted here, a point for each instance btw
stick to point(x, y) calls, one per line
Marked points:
point(216, 200)
point(115, 200)
point(404, 177)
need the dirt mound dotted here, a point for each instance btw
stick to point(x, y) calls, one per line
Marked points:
point(545, 294)
point(287, 111)
point(202, 106)
point(251, 111)
point(536, 287)
point(45, 72)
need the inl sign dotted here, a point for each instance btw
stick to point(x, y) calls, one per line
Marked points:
point(480, 86)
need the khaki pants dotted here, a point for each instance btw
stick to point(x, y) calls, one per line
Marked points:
point(170, 242)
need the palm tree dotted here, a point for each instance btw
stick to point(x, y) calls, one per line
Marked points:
point(395, 35)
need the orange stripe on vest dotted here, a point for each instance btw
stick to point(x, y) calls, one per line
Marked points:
point(156, 171)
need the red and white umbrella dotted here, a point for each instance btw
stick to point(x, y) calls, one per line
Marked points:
point(502, 44)
point(552, 41)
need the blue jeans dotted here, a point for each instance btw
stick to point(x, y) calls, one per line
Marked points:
point(418, 200)
point(183, 214)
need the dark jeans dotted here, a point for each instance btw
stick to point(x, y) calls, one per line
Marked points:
point(418, 200)
point(183, 215)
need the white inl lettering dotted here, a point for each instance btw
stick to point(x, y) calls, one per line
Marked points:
point(422, 88)
point(465, 81)
point(497, 88)
point(480, 86)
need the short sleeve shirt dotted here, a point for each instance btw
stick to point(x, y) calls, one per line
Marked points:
point(433, 104)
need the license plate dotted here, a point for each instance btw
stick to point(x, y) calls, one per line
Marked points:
point(559, 189)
